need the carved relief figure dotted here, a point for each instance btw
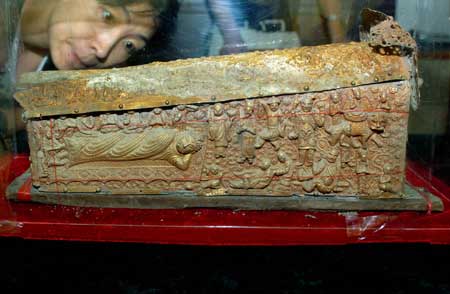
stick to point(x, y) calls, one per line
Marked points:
point(86, 124)
point(108, 123)
point(247, 133)
point(219, 129)
point(64, 127)
point(360, 132)
point(356, 106)
point(171, 145)
point(320, 113)
point(325, 169)
point(214, 177)
point(387, 182)
point(158, 117)
point(178, 114)
point(383, 102)
point(261, 176)
point(302, 127)
point(272, 131)
point(131, 122)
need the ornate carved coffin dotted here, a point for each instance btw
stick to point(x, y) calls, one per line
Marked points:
point(325, 120)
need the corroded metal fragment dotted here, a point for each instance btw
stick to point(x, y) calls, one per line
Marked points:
point(213, 79)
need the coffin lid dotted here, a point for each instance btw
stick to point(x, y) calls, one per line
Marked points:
point(206, 80)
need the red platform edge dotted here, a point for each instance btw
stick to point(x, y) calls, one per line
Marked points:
point(221, 226)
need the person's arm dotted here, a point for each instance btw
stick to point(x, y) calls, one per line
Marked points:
point(222, 12)
point(331, 10)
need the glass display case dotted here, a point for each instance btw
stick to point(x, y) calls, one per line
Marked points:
point(192, 42)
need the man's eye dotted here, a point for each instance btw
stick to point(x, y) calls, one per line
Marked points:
point(107, 15)
point(130, 47)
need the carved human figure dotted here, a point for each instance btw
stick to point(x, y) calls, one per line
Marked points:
point(337, 116)
point(261, 176)
point(158, 117)
point(41, 164)
point(336, 105)
point(377, 123)
point(53, 142)
point(399, 97)
point(233, 111)
point(272, 131)
point(214, 177)
point(360, 132)
point(300, 113)
point(284, 164)
point(38, 140)
point(64, 127)
point(108, 123)
point(387, 182)
point(356, 106)
point(321, 113)
point(362, 165)
point(86, 124)
point(218, 131)
point(58, 155)
point(247, 133)
point(326, 170)
point(192, 112)
point(306, 179)
point(383, 102)
point(131, 122)
point(306, 144)
point(178, 114)
point(171, 145)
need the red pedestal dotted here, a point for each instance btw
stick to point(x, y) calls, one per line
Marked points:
point(223, 227)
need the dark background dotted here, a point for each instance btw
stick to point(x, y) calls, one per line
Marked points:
point(63, 267)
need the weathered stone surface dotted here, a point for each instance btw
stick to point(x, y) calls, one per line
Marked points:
point(213, 79)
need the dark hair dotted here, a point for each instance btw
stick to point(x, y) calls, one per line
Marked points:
point(159, 47)
point(160, 5)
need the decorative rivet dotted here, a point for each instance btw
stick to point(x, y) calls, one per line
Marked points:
point(121, 106)
point(76, 111)
point(377, 79)
point(353, 83)
point(213, 98)
point(65, 190)
point(167, 102)
point(98, 189)
point(306, 88)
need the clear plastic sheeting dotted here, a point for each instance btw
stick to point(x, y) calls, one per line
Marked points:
point(359, 226)
point(9, 50)
point(66, 35)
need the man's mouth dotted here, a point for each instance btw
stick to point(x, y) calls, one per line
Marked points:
point(81, 62)
point(75, 60)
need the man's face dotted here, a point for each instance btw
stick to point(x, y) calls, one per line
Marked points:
point(85, 34)
point(306, 104)
point(218, 109)
point(377, 122)
point(274, 105)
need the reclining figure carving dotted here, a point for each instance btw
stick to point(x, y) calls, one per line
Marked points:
point(171, 145)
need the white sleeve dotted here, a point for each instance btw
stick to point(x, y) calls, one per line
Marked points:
point(41, 65)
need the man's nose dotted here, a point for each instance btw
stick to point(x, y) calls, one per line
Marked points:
point(104, 43)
